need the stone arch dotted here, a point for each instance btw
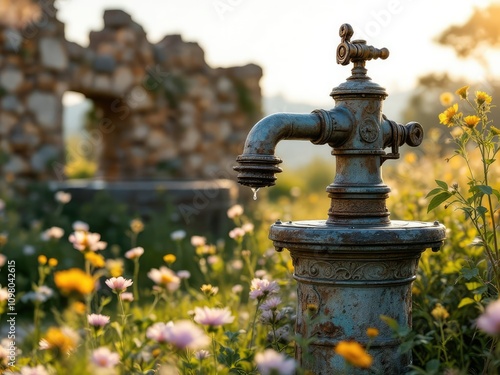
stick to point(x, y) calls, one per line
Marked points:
point(164, 111)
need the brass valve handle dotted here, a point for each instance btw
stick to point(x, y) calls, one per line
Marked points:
point(357, 50)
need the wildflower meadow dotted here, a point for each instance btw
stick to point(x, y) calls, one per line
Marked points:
point(98, 290)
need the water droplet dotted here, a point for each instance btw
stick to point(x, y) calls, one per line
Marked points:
point(255, 190)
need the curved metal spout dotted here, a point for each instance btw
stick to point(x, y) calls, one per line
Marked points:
point(258, 165)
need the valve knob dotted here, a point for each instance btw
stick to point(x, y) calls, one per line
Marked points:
point(357, 50)
point(414, 134)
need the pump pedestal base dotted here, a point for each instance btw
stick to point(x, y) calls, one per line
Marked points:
point(348, 276)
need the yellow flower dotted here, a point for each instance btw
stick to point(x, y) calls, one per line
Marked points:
point(137, 226)
point(462, 92)
point(372, 332)
point(42, 259)
point(53, 262)
point(410, 157)
point(209, 290)
point(63, 339)
point(482, 97)
point(97, 260)
point(115, 267)
point(439, 312)
point(446, 117)
point(169, 258)
point(78, 307)
point(494, 130)
point(446, 98)
point(354, 353)
point(74, 280)
point(471, 121)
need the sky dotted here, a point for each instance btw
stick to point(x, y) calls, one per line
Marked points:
point(295, 41)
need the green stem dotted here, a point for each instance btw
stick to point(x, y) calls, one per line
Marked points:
point(214, 348)
point(252, 338)
point(136, 280)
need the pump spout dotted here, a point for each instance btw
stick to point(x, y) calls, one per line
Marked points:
point(258, 164)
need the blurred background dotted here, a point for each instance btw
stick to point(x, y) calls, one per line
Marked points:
point(435, 47)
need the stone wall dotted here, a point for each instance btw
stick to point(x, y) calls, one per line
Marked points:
point(160, 110)
point(33, 78)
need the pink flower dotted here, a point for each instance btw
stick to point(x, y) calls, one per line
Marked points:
point(158, 332)
point(198, 241)
point(62, 197)
point(235, 211)
point(183, 274)
point(271, 303)
point(80, 226)
point(212, 317)
point(83, 241)
point(103, 357)
point(165, 277)
point(200, 355)
point(178, 235)
point(52, 233)
point(97, 320)
point(261, 288)
point(134, 253)
point(237, 233)
point(248, 227)
point(489, 321)
point(129, 297)
point(183, 334)
point(118, 284)
point(272, 362)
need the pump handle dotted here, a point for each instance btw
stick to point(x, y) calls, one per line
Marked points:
point(357, 50)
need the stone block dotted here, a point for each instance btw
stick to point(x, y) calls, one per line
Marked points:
point(138, 99)
point(7, 122)
point(104, 64)
point(46, 109)
point(10, 103)
point(11, 79)
point(40, 160)
point(122, 80)
point(16, 165)
point(52, 54)
point(116, 18)
point(102, 82)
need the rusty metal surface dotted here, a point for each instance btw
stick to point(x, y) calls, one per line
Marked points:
point(357, 264)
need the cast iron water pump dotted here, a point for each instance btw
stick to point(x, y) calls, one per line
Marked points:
point(358, 264)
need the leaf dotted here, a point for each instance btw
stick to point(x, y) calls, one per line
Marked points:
point(466, 301)
point(473, 285)
point(437, 200)
point(481, 210)
point(433, 192)
point(228, 356)
point(442, 184)
point(117, 327)
point(469, 273)
point(496, 192)
point(485, 189)
point(432, 366)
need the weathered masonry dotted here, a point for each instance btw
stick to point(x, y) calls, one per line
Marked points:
point(160, 110)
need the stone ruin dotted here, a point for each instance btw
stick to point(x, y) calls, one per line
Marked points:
point(162, 112)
